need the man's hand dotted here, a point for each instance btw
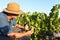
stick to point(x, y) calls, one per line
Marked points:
point(26, 27)
point(11, 35)
point(31, 31)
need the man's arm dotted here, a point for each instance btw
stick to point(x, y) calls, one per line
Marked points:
point(19, 26)
point(26, 27)
point(21, 34)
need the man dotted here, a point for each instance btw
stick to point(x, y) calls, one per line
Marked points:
point(7, 20)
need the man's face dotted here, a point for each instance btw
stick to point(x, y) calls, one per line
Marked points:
point(14, 16)
point(10, 16)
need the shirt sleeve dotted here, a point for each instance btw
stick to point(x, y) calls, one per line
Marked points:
point(4, 25)
point(13, 22)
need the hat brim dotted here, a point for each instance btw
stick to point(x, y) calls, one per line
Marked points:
point(13, 12)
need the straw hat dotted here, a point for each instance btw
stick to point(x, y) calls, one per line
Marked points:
point(13, 8)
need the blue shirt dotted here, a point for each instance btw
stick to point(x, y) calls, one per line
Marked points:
point(5, 26)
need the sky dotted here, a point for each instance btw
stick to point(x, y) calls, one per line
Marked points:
point(32, 5)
